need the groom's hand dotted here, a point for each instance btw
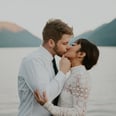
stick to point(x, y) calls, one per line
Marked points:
point(64, 64)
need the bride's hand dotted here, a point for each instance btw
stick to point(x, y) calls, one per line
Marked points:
point(40, 99)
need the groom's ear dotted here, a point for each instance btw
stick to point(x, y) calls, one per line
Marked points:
point(51, 43)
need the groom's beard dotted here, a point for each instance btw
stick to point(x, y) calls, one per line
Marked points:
point(58, 51)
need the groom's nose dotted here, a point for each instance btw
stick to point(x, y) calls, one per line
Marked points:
point(68, 46)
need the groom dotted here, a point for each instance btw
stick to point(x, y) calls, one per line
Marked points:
point(36, 71)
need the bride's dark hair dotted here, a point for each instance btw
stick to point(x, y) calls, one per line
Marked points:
point(91, 50)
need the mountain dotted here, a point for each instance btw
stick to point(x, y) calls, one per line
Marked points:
point(104, 35)
point(12, 35)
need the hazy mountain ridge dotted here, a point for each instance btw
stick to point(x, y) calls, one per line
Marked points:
point(11, 35)
point(10, 26)
point(104, 35)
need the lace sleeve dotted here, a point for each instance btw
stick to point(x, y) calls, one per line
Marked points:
point(80, 93)
point(61, 111)
point(79, 90)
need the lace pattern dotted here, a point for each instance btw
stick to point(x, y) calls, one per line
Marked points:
point(77, 88)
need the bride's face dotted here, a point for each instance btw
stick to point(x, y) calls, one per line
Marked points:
point(73, 51)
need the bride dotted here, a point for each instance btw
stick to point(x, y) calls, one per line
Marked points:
point(83, 55)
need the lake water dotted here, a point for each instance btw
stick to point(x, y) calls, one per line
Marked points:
point(102, 100)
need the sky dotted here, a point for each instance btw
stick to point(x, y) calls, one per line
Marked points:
point(82, 15)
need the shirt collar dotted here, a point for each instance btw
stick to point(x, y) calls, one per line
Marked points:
point(47, 55)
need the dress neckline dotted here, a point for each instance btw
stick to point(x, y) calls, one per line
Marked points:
point(78, 68)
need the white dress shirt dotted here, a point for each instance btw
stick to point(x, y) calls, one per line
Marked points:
point(36, 72)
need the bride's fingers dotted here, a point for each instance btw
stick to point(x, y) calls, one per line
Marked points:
point(45, 96)
point(37, 95)
point(40, 99)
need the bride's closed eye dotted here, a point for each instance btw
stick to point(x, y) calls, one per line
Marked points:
point(73, 44)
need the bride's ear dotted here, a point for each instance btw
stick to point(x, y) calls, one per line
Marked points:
point(81, 54)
